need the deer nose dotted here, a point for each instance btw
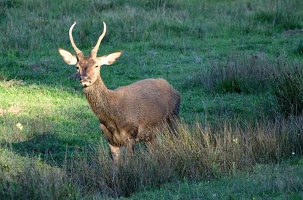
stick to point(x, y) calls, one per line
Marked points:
point(84, 78)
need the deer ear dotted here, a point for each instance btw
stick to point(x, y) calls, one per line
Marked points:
point(69, 58)
point(110, 58)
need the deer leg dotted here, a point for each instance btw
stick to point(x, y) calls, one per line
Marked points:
point(115, 153)
point(106, 132)
point(130, 147)
point(114, 150)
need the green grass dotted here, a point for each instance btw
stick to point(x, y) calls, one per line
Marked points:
point(264, 182)
point(228, 59)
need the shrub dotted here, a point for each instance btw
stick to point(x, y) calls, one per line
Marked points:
point(255, 74)
point(280, 20)
point(287, 86)
point(299, 49)
point(279, 15)
point(235, 74)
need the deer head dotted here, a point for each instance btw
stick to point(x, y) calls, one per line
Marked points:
point(88, 67)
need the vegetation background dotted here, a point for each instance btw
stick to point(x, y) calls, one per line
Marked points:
point(237, 64)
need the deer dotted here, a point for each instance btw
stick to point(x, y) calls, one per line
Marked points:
point(128, 114)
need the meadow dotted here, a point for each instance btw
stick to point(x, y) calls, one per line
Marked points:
point(236, 63)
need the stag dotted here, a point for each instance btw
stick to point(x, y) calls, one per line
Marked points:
point(128, 114)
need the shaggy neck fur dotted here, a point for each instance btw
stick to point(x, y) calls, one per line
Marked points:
point(99, 99)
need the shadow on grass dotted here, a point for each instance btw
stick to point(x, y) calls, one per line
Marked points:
point(44, 141)
point(49, 147)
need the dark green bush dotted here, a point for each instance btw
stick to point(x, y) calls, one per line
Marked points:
point(279, 20)
point(299, 49)
point(244, 74)
point(287, 86)
point(233, 85)
point(9, 3)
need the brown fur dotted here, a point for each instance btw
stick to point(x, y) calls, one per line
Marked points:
point(128, 114)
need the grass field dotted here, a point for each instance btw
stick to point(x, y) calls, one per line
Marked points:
point(237, 64)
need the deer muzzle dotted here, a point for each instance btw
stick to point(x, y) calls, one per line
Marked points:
point(85, 80)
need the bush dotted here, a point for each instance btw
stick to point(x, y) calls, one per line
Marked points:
point(299, 49)
point(255, 74)
point(236, 74)
point(287, 86)
point(279, 15)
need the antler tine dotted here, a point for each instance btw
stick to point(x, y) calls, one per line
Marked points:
point(72, 40)
point(96, 48)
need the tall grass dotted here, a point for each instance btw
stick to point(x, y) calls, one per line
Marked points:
point(196, 153)
point(30, 179)
point(287, 86)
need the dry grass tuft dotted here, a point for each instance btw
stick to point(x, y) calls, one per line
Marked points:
point(196, 153)
point(13, 109)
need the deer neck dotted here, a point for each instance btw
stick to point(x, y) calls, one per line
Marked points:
point(99, 99)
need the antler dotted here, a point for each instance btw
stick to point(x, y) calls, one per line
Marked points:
point(96, 48)
point(79, 53)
